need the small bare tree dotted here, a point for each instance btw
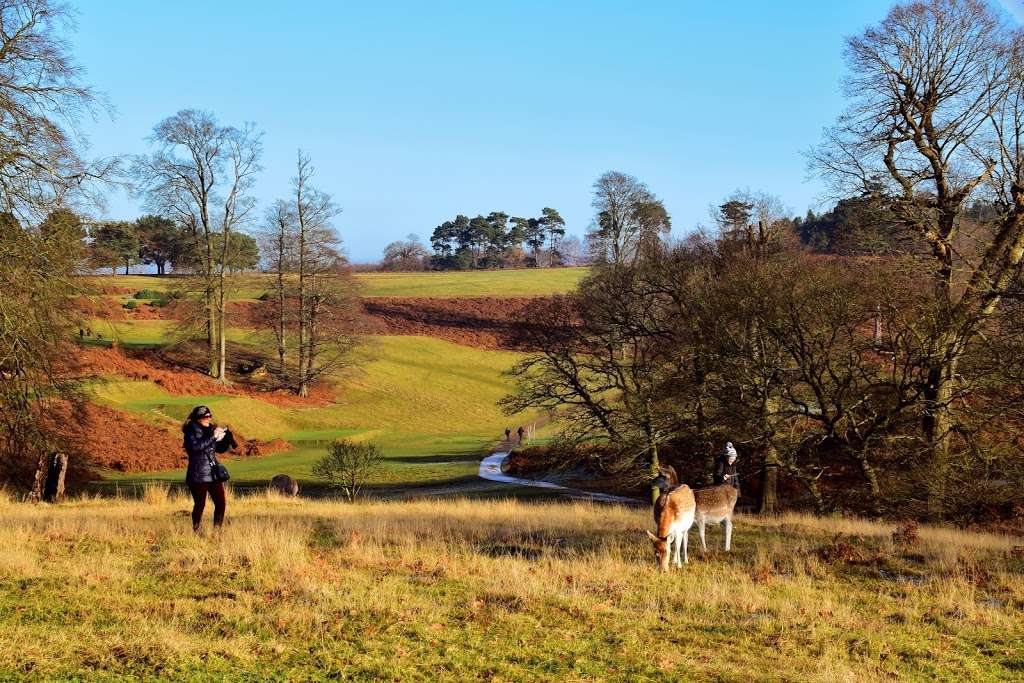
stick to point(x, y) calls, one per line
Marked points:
point(326, 295)
point(277, 241)
point(348, 465)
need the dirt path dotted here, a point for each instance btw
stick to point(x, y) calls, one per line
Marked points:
point(491, 469)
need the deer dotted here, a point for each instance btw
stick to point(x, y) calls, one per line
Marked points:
point(673, 514)
point(714, 506)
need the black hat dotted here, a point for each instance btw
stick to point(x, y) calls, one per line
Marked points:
point(200, 412)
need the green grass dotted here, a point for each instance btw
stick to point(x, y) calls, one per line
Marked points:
point(413, 396)
point(528, 282)
point(133, 333)
point(104, 590)
point(523, 282)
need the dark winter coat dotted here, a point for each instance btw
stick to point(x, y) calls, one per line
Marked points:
point(200, 445)
point(722, 468)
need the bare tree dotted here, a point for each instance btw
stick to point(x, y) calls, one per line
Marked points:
point(629, 216)
point(933, 121)
point(201, 174)
point(755, 221)
point(572, 250)
point(326, 293)
point(408, 254)
point(41, 102)
point(348, 465)
point(277, 246)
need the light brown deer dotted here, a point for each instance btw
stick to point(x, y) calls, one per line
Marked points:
point(715, 505)
point(673, 514)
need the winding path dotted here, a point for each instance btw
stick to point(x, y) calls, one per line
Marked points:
point(491, 469)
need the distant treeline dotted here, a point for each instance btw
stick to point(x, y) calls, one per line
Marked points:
point(496, 240)
point(159, 241)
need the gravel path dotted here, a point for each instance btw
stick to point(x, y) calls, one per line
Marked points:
point(491, 469)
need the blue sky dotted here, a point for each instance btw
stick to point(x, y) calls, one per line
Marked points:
point(415, 112)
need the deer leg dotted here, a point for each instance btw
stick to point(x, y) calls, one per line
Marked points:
point(678, 541)
point(700, 530)
point(728, 533)
point(686, 542)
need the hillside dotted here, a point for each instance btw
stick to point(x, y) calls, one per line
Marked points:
point(505, 282)
point(424, 385)
point(493, 590)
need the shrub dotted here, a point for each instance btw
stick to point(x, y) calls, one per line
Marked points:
point(130, 305)
point(347, 465)
point(146, 294)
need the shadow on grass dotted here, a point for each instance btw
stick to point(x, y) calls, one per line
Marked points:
point(443, 458)
point(469, 486)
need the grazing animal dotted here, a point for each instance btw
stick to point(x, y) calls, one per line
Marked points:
point(285, 485)
point(673, 514)
point(714, 506)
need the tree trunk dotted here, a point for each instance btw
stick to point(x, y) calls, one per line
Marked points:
point(311, 341)
point(769, 504)
point(937, 424)
point(811, 484)
point(280, 325)
point(303, 319)
point(281, 303)
point(702, 426)
point(222, 334)
point(54, 489)
point(872, 478)
point(211, 328)
point(42, 470)
point(654, 467)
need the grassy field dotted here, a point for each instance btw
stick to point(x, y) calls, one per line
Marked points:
point(490, 590)
point(528, 282)
point(525, 282)
point(430, 404)
point(413, 396)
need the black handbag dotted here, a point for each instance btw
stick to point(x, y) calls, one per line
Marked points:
point(218, 472)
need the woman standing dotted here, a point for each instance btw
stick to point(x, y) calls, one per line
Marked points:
point(200, 445)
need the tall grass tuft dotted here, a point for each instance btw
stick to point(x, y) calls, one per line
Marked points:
point(159, 493)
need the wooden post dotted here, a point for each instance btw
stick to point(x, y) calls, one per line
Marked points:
point(42, 470)
point(58, 469)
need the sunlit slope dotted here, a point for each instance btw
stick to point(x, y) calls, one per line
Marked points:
point(520, 282)
point(528, 282)
point(411, 395)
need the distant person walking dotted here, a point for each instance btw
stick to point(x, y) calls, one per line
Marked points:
point(200, 444)
point(520, 432)
point(508, 434)
point(725, 467)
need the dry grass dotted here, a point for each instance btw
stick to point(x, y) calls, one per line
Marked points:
point(496, 590)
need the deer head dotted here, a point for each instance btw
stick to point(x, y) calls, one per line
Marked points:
point(661, 550)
